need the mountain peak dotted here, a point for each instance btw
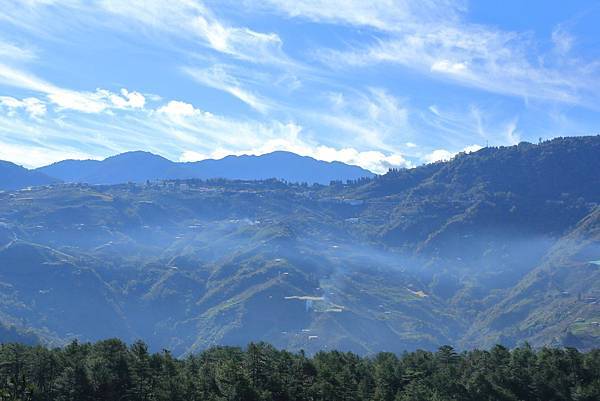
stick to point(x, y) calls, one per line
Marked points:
point(13, 176)
point(136, 154)
point(139, 166)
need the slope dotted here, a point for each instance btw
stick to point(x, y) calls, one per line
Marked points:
point(14, 177)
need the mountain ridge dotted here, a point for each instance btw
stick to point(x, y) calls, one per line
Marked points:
point(140, 166)
point(13, 176)
point(496, 246)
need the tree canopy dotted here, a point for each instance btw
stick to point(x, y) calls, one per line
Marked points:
point(111, 370)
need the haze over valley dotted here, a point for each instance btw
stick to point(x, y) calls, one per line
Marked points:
point(299, 200)
point(496, 246)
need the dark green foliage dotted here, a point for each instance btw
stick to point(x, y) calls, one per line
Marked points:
point(109, 370)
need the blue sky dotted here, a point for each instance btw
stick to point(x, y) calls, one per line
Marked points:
point(378, 83)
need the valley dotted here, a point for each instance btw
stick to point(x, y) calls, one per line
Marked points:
point(495, 246)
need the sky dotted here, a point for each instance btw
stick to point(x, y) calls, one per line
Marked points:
point(379, 83)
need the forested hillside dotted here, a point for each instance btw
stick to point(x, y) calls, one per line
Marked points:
point(497, 246)
point(109, 370)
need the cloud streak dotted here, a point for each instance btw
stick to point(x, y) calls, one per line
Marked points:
point(478, 57)
point(86, 102)
point(385, 83)
point(383, 15)
point(218, 78)
point(433, 38)
point(190, 19)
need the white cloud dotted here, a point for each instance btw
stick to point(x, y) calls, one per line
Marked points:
point(127, 99)
point(373, 161)
point(175, 130)
point(438, 155)
point(473, 55)
point(83, 101)
point(33, 106)
point(207, 132)
point(217, 77)
point(445, 155)
point(472, 148)
point(191, 156)
point(95, 102)
point(205, 135)
point(176, 109)
point(369, 127)
point(377, 162)
point(448, 67)
point(242, 43)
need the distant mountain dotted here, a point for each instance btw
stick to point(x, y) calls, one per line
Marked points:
point(71, 170)
point(122, 168)
point(284, 165)
point(142, 166)
point(504, 187)
point(13, 177)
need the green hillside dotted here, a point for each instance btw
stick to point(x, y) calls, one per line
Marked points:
point(494, 246)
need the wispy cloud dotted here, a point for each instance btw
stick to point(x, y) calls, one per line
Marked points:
point(188, 20)
point(29, 155)
point(354, 104)
point(478, 57)
point(194, 126)
point(433, 38)
point(12, 51)
point(374, 119)
point(87, 102)
point(217, 77)
point(192, 20)
point(468, 123)
point(562, 39)
point(384, 15)
point(179, 130)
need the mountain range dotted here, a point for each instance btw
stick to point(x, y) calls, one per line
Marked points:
point(501, 245)
point(13, 176)
point(143, 166)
